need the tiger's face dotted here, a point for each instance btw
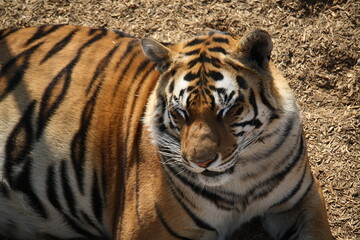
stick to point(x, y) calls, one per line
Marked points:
point(209, 110)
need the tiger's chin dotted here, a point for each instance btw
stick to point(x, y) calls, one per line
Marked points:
point(213, 179)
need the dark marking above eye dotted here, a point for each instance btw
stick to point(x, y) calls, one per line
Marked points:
point(241, 82)
point(171, 86)
point(181, 93)
point(221, 40)
point(190, 76)
point(240, 98)
point(220, 90)
point(194, 42)
point(218, 49)
point(217, 76)
point(189, 89)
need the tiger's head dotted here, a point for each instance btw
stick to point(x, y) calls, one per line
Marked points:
point(213, 102)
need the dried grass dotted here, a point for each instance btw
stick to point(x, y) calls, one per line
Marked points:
point(316, 46)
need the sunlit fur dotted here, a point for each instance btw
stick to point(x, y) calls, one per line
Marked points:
point(107, 136)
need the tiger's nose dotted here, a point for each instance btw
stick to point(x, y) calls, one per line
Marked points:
point(204, 163)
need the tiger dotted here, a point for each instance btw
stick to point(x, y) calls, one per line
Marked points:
point(104, 135)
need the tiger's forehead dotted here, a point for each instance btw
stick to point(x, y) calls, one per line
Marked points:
point(202, 79)
point(207, 48)
point(209, 40)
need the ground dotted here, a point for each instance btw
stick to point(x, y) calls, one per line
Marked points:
point(316, 45)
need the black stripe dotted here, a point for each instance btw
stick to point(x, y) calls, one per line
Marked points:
point(138, 174)
point(217, 76)
point(254, 122)
point(24, 184)
point(221, 40)
point(67, 190)
point(239, 134)
point(240, 97)
point(194, 42)
point(128, 50)
point(104, 181)
point(51, 188)
point(166, 225)
point(7, 32)
point(194, 52)
point(203, 58)
point(4, 190)
point(193, 62)
point(231, 95)
point(178, 192)
point(139, 70)
point(96, 199)
point(90, 222)
point(252, 101)
point(234, 66)
point(302, 197)
point(101, 67)
point(78, 229)
point(52, 98)
point(19, 143)
point(265, 100)
point(241, 82)
point(41, 32)
point(124, 72)
point(284, 135)
point(272, 182)
point(216, 199)
point(199, 222)
point(240, 110)
point(142, 67)
point(61, 81)
point(218, 49)
point(122, 34)
point(293, 191)
point(92, 31)
point(171, 86)
point(13, 81)
point(190, 76)
point(78, 145)
point(54, 199)
point(215, 62)
point(292, 231)
point(59, 45)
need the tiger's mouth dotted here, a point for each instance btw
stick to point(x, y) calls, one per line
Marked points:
point(209, 173)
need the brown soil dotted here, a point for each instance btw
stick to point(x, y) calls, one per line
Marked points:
point(316, 45)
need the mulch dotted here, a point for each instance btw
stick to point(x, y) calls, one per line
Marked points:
point(316, 46)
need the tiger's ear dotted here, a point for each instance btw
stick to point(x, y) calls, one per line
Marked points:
point(256, 46)
point(157, 53)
